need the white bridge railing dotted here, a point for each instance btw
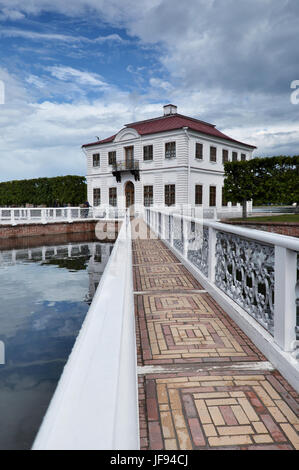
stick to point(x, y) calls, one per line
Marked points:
point(95, 405)
point(251, 273)
point(21, 215)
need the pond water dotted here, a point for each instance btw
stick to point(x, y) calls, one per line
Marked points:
point(45, 292)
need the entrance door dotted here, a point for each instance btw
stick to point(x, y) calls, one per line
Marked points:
point(129, 192)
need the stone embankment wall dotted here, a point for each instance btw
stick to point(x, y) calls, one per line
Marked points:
point(283, 228)
point(57, 228)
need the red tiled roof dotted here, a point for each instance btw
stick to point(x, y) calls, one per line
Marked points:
point(173, 122)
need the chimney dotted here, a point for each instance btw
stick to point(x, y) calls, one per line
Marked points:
point(170, 109)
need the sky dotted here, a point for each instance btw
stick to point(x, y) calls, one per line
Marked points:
point(76, 70)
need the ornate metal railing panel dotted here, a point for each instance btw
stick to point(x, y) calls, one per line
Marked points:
point(198, 246)
point(245, 272)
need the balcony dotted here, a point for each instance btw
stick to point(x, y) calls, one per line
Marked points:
point(130, 165)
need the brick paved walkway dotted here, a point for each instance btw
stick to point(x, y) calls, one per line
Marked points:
point(202, 383)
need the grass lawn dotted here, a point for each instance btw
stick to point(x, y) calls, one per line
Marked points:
point(271, 218)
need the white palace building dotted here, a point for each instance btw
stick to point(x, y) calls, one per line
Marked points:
point(171, 160)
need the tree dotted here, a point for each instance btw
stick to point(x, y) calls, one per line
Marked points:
point(239, 183)
point(265, 180)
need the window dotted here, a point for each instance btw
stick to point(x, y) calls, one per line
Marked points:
point(243, 157)
point(224, 201)
point(97, 196)
point(213, 154)
point(224, 156)
point(235, 157)
point(169, 194)
point(198, 194)
point(129, 152)
point(111, 158)
point(148, 196)
point(212, 196)
point(170, 150)
point(198, 151)
point(147, 153)
point(96, 159)
point(112, 197)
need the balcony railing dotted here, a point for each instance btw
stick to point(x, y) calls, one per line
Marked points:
point(126, 165)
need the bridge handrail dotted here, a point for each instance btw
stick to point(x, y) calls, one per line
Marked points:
point(95, 405)
point(251, 273)
point(21, 215)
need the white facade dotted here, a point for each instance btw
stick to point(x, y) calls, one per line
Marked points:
point(185, 171)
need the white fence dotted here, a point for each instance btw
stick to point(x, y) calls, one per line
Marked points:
point(252, 275)
point(21, 215)
point(95, 405)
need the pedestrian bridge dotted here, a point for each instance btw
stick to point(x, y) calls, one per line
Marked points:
point(190, 343)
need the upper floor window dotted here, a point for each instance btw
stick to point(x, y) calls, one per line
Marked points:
point(212, 196)
point(170, 150)
point(224, 156)
point(148, 196)
point(97, 196)
point(213, 154)
point(235, 157)
point(112, 197)
point(170, 195)
point(198, 194)
point(129, 153)
point(96, 159)
point(243, 157)
point(147, 152)
point(112, 158)
point(198, 151)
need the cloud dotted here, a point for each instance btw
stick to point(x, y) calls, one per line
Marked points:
point(84, 78)
point(11, 15)
point(33, 35)
point(230, 63)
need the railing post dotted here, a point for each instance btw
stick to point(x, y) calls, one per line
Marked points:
point(43, 216)
point(212, 255)
point(285, 297)
point(69, 215)
point(185, 237)
point(12, 217)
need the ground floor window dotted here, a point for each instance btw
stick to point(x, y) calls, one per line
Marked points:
point(224, 201)
point(148, 196)
point(97, 196)
point(112, 197)
point(212, 196)
point(170, 195)
point(198, 194)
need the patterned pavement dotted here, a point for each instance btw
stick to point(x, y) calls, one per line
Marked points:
point(194, 392)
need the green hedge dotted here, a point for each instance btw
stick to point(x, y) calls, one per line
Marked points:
point(60, 190)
